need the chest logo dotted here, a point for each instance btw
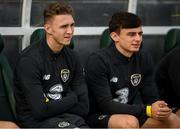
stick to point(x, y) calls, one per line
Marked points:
point(65, 74)
point(55, 92)
point(46, 77)
point(122, 95)
point(135, 79)
point(114, 79)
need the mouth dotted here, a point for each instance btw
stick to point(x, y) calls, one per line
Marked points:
point(68, 38)
point(136, 45)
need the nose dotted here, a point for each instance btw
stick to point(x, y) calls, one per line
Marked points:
point(138, 37)
point(70, 30)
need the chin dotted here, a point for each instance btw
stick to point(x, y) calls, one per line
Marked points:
point(66, 43)
point(135, 50)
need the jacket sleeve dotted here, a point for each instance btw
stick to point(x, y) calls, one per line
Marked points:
point(97, 74)
point(174, 74)
point(149, 91)
point(29, 81)
point(80, 88)
point(168, 76)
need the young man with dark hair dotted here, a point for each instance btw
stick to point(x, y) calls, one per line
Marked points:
point(50, 89)
point(116, 75)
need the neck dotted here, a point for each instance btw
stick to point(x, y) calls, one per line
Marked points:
point(53, 44)
point(124, 52)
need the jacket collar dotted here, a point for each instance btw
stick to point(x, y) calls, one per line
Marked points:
point(47, 50)
point(118, 56)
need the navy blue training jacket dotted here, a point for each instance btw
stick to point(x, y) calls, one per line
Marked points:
point(48, 84)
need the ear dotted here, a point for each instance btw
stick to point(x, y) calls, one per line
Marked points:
point(48, 28)
point(114, 36)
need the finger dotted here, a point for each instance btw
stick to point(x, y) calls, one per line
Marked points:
point(162, 104)
point(164, 109)
point(163, 114)
point(162, 117)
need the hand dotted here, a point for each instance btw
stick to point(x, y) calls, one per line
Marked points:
point(160, 110)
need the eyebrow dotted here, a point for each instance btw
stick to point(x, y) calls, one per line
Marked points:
point(65, 25)
point(131, 32)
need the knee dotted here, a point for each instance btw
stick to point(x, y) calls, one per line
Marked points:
point(8, 124)
point(174, 121)
point(123, 121)
point(132, 122)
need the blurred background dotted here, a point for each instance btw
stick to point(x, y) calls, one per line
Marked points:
point(19, 18)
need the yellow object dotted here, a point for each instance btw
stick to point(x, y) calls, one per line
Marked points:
point(46, 99)
point(148, 111)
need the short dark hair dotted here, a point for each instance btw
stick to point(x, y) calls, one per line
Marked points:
point(58, 8)
point(122, 20)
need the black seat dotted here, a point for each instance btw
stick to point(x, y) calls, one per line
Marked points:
point(105, 39)
point(172, 39)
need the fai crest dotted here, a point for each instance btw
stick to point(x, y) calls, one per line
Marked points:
point(135, 79)
point(65, 74)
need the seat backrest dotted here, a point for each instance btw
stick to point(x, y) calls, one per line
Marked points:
point(172, 39)
point(105, 39)
point(7, 101)
point(39, 33)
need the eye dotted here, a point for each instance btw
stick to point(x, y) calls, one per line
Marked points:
point(140, 33)
point(72, 25)
point(131, 34)
point(64, 26)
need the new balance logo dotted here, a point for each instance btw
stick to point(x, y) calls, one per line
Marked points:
point(114, 79)
point(46, 77)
